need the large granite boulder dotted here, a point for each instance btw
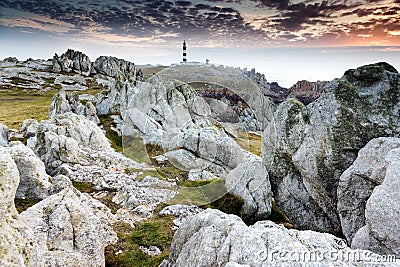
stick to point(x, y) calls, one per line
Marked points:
point(250, 181)
point(306, 149)
point(72, 61)
point(16, 239)
point(68, 138)
point(116, 99)
point(112, 66)
point(69, 102)
point(34, 182)
point(71, 229)
point(357, 183)
point(368, 197)
point(212, 238)
point(3, 135)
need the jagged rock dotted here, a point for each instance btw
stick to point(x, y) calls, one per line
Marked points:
point(69, 102)
point(307, 92)
point(68, 138)
point(3, 135)
point(357, 183)
point(112, 66)
point(306, 149)
point(250, 182)
point(368, 199)
point(34, 182)
point(72, 61)
point(29, 128)
point(16, 243)
point(117, 98)
point(71, 229)
point(11, 60)
point(183, 212)
point(212, 238)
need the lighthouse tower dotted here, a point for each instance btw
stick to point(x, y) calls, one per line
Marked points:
point(184, 52)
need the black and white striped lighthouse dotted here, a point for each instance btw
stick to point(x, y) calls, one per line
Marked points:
point(184, 52)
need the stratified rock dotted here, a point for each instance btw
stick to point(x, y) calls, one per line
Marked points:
point(69, 102)
point(71, 229)
point(112, 66)
point(372, 185)
point(212, 238)
point(72, 61)
point(3, 135)
point(306, 149)
point(307, 92)
point(250, 182)
point(17, 249)
point(34, 182)
point(357, 183)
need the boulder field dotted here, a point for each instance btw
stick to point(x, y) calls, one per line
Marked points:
point(331, 167)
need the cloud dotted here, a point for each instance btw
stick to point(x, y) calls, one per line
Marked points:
point(210, 22)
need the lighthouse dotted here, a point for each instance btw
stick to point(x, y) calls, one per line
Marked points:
point(184, 52)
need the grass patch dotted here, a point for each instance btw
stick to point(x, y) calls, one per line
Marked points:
point(156, 231)
point(115, 139)
point(18, 105)
point(23, 204)
point(250, 142)
point(152, 173)
point(107, 200)
point(199, 193)
point(83, 187)
point(150, 71)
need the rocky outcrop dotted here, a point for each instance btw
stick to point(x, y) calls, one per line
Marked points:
point(307, 92)
point(3, 135)
point(367, 198)
point(272, 90)
point(182, 212)
point(34, 182)
point(111, 66)
point(250, 182)
point(306, 149)
point(16, 239)
point(212, 238)
point(116, 99)
point(71, 229)
point(72, 61)
point(69, 102)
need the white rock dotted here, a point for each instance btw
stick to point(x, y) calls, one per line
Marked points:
point(34, 182)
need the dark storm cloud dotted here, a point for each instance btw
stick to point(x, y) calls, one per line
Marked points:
point(212, 19)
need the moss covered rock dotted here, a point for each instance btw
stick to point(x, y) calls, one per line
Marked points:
point(306, 149)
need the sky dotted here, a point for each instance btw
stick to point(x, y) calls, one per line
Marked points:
point(286, 40)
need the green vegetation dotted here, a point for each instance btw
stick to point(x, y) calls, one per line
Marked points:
point(152, 173)
point(278, 216)
point(17, 106)
point(156, 231)
point(150, 71)
point(115, 139)
point(83, 187)
point(250, 142)
point(23, 204)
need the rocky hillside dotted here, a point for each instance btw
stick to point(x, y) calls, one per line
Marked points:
point(131, 172)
